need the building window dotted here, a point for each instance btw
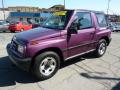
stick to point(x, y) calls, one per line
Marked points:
point(29, 20)
point(18, 10)
point(21, 19)
point(36, 20)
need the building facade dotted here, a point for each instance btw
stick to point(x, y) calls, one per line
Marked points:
point(20, 13)
point(24, 9)
point(113, 18)
point(6, 13)
point(57, 8)
point(24, 16)
point(29, 16)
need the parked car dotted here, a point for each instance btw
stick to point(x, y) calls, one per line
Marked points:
point(4, 26)
point(115, 26)
point(38, 24)
point(19, 26)
point(35, 25)
point(65, 35)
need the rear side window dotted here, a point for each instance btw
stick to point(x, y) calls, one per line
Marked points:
point(25, 23)
point(101, 20)
point(14, 22)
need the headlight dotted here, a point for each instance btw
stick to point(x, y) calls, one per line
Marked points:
point(20, 49)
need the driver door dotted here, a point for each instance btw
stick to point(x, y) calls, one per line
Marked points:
point(81, 42)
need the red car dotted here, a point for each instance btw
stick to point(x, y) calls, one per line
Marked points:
point(19, 26)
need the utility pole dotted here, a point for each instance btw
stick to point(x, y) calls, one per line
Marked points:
point(108, 6)
point(3, 9)
point(64, 4)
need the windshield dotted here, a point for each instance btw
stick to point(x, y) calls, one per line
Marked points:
point(58, 20)
point(14, 22)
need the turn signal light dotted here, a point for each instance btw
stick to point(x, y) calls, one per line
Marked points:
point(34, 42)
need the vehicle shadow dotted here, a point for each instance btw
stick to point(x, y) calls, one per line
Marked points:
point(100, 76)
point(10, 74)
point(78, 59)
point(117, 87)
point(91, 76)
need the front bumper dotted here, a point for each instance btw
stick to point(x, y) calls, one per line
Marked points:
point(23, 63)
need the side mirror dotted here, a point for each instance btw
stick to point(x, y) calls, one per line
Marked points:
point(73, 29)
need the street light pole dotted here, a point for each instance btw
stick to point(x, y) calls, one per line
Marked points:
point(64, 4)
point(108, 6)
point(3, 9)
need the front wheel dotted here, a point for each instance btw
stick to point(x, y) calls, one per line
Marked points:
point(46, 65)
point(101, 48)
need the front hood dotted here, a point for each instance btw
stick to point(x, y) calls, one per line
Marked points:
point(37, 34)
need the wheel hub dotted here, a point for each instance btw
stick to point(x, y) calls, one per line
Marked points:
point(48, 66)
point(102, 48)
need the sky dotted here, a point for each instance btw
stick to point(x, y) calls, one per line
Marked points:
point(100, 5)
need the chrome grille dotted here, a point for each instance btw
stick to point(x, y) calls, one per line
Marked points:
point(14, 45)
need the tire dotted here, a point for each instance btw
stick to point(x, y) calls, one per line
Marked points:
point(12, 31)
point(101, 48)
point(46, 65)
point(3, 31)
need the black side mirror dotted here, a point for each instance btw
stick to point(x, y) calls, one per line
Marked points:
point(73, 29)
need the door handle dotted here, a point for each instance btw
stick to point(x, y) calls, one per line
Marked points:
point(92, 33)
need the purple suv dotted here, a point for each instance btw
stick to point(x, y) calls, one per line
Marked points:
point(65, 35)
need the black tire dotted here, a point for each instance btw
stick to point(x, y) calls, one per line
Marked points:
point(103, 43)
point(3, 31)
point(12, 31)
point(39, 60)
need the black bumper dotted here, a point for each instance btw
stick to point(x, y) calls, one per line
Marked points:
point(23, 63)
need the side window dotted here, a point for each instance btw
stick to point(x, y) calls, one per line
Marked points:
point(101, 19)
point(25, 23)
point(84, 20)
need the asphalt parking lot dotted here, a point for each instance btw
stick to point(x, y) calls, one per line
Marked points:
point(87, 73)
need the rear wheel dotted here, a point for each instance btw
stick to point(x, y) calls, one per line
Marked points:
point(46, 65)
point(101, 48)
